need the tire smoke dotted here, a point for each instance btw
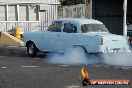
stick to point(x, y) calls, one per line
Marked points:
point(72, 56)
point(76, 56)
point(118, 59)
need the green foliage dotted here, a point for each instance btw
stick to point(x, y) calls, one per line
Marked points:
point(71, 2)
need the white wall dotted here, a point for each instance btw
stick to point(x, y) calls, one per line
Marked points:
point(19, 13)
point(26, 15)
point(3, 13)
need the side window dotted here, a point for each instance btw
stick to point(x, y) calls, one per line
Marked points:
point(55, 27)
point(51, 27)
point(70, 28)
point(86, 28)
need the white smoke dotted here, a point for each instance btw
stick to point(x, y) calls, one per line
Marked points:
point(118, 59)
point(77, 56)
point(71, 56)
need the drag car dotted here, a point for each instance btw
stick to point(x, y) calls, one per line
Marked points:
point(64, 33)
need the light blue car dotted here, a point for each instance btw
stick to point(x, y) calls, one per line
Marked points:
point(62, 34)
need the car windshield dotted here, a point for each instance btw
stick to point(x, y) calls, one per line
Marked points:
point(93, 28)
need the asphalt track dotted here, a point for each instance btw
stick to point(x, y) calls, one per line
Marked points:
point(17, 70)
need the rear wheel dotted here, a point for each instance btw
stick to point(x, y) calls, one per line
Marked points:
point(81, 48)
point(31, 49)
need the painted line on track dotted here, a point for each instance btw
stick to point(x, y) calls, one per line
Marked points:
point(73, 86)
point(3, 67)
point(30, 66)
point(64, 65)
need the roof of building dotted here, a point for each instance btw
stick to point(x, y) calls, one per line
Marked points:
point(29, 1)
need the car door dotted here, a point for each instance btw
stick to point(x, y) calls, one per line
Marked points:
point(50, 38)
point(57, 42)
point(68, 37)
point(46, 40)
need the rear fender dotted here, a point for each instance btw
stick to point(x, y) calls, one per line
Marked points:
point(83, 47)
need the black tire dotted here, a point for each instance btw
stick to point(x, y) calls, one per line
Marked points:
point(31, 49)
point(84, 84)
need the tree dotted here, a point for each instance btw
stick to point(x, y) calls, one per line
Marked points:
point(71, 2)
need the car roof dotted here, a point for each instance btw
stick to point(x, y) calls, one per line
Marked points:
point(80, 20)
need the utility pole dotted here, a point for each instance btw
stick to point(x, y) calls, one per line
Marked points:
point(125, 18)
point(85, 2)
point(85, 7)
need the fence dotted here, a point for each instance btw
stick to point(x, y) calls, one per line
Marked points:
point(25, 26)
point(45, 19)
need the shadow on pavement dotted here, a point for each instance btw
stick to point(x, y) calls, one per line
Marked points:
point(17, 52)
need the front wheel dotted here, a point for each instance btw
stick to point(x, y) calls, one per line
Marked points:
point(31, 49)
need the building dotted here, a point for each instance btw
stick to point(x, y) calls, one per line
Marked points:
point(35, 15)
point(110, 12)
point(29, 15)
